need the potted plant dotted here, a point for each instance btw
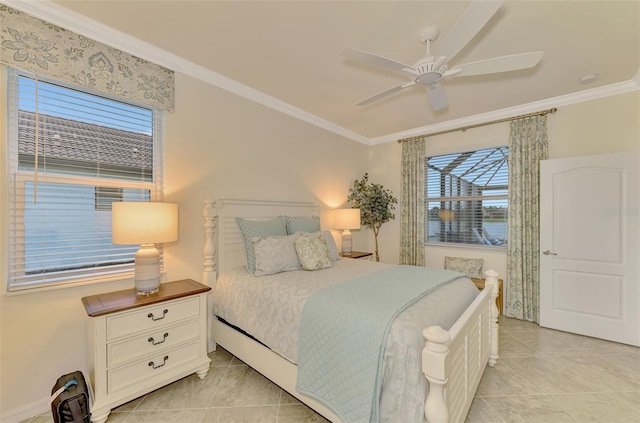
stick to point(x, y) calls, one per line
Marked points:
point(376, 205)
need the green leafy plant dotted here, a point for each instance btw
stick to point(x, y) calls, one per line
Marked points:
point(376, 205)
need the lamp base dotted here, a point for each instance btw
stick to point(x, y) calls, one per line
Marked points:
point(147, 270)
point(346, 242)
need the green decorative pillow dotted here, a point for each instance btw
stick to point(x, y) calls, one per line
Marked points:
point(255, 229)
point(334, 254)
point(313, 252)
point(302, 224)
point(470, 267)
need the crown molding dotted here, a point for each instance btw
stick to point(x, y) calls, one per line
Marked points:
point(72, 21)
point(58, 15)
point(564, 100)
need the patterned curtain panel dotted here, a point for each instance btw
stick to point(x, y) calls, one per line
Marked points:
point(39, 47)
point(412, 202)
point(527, 146)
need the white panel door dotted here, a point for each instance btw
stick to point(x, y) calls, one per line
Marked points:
point(590, 241)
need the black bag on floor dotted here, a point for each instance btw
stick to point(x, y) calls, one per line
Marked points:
point(70, 399)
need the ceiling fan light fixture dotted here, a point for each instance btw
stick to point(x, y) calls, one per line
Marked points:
point(428, 78)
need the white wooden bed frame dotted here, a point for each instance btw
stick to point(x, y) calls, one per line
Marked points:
point(453, 361)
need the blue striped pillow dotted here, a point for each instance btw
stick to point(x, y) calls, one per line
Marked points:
point(302, 224)
point(258, 228)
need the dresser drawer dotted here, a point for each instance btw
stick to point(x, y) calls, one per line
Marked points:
point(151, 317)
point(151, 342)
point(151, 369)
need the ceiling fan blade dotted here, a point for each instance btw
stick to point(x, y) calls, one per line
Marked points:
point(385, 93)
point(437, 97)
point(470, 23)
point(372, 59)
point(497, 64)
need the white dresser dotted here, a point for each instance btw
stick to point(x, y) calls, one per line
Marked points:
point(137, 344)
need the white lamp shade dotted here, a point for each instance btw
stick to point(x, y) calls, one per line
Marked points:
point(346, 219)
point(144, 222)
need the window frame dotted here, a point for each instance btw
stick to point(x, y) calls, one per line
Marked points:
point(464, 198)
point(18, 179)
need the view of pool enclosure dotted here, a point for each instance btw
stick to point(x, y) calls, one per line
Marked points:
point(466, 197)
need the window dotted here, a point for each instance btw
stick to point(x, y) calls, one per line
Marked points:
point(71, 154)
point(466, 198)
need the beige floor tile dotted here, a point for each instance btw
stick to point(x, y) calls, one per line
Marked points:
point(510, 346)
point(242, 385)
point(188, 392)
point(220, 357)
point(631, 399)
point(131, 405)
point(44, 418)
point(597, 408)
point(481, 412)
point(545, 342)
point(298, 413)
point(256, 414)
point(509, 325)
point(605, 372)
point(503, 380)
point(118, 417)
point(165, 416)
point(287, 398)
point(529, 409)
point(548, 375)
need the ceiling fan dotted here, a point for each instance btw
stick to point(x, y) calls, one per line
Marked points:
point(429, 70)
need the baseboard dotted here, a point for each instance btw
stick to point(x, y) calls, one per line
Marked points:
point(26, 411)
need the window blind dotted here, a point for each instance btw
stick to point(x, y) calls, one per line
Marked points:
point(467, 198)
point(72, 153)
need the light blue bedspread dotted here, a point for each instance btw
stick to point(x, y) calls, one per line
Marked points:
point(343, 336)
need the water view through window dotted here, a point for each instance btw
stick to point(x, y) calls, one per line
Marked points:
point(466, 201)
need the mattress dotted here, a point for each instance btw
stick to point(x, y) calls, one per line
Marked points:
point(269, 308)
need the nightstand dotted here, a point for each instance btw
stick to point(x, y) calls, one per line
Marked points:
point(479, 283)
point(358, 255)
point(137, 344)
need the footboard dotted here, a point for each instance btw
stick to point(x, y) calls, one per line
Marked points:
point(453, 361)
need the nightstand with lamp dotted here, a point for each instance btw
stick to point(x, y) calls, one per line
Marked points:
point(147, 336)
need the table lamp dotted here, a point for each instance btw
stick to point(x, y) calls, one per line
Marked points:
point(346, 219)
point(147, 224)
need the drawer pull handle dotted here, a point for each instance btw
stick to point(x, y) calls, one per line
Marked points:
point(164, 361)
point(164, 314)
point(153, 341)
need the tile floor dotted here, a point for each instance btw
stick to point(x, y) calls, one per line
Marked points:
point(542, 376)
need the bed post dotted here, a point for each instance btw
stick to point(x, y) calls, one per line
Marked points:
point(434, 355)
point(492, 280)
point(209, 267)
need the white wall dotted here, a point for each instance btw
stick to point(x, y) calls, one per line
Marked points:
point(217, 144)
point(237, 149)
point(600, 126)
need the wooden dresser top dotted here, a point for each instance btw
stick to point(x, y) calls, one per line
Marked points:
point(112, 302)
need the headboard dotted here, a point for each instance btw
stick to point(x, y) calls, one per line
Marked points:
point(223, 247)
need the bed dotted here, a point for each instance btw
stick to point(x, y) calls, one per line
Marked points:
point(449, 362)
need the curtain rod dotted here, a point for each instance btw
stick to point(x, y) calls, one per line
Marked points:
point(464, 128)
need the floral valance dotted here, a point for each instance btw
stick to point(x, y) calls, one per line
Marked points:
point(36, 46)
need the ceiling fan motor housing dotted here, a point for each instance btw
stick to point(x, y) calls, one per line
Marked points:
point(429, 72)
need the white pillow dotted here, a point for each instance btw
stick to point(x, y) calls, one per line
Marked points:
point(275, 254)
point(313, 252)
